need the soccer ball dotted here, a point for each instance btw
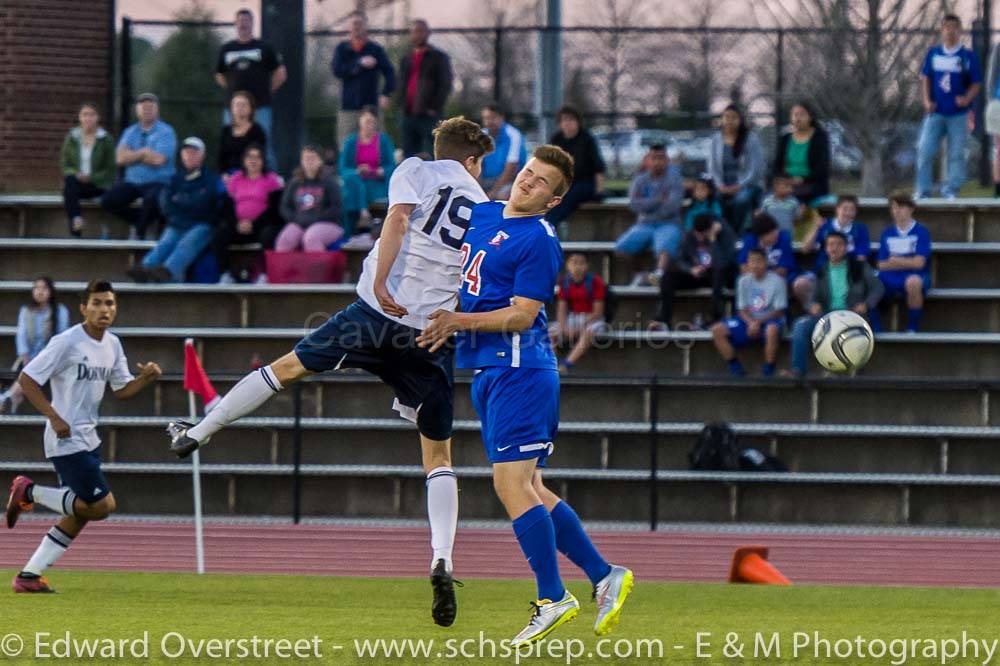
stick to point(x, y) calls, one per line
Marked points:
point(843, 341)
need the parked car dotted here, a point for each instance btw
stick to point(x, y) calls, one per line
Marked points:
point(623, 150)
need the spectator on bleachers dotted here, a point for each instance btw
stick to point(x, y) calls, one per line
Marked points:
point(950, 79)
point(580, 307)
point(191, 203)
point(146, 150)
point(310, 207)
point(510, 153)
point(844, 282)
point(736, 164)
point(358, 62)
point(781, 203)
point(256, 194)
point(992, 112)
point(761, 301)
point(656, 196)
point(845, 221)
point(425, 83)
point(251, 65)
point(87, 160)
point(703, 200)
point(904, 260)
point(37, 322)
point(776, 244)
point(707, 258)
point(243, 131)
point(804, 154)
point(366, 164)
point(588, 165)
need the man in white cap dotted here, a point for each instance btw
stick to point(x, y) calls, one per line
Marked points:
point(191, 202)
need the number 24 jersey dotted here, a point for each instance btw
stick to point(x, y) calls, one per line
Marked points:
point(426, 275)
point(507, 257)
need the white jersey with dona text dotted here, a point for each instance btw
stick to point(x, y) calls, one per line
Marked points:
point(427, 273)
point(79, 368)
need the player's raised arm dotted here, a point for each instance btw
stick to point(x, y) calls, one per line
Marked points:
point(515, 318)
point(148, 373)
point(390, 241)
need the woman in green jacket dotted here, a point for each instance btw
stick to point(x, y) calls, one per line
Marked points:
point(88, 164)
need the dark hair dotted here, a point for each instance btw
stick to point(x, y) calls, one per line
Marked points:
point(263, 157)
point(458, 139)
point(707, 180)
point(299, 172)
point(88, 105)
point(53, 302)
point(97, 286)
point(244, 12)
point(369, 108)
point(782, 175)
point(741, 131)
point(560, 159)
point(762, 224)
point(902, 198)
point(836, 234)
point(248, 96)
point(495, 108)
point(567, 110)
point(759, 252)
point(809, 109)
point(357, 13)
point(658, 147)
point(703, 222)
point(951, 17)
point(847, 198)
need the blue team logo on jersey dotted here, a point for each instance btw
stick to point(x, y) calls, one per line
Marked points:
point(499, 238)
point(89, 373)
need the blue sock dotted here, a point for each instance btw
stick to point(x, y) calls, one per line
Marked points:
point(875, 319)
point(736, 368)
point(913, 318)
point(768, 369)
point(574, 543)
point(537, 536)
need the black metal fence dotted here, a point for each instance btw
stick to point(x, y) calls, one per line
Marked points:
point(627, 78)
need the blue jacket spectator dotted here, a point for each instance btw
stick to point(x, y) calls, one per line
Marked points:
point(737, 167)
point(703, 201)
point(904, 259)
point(191, 202)
point(366, 163)
point(775, 243)
point(510, 153)
point(358, 62)
point(858, 239)
point(950, 80)
point(146, 150)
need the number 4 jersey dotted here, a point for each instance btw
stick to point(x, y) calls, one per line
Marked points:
point(427, 273)
point(507, 257)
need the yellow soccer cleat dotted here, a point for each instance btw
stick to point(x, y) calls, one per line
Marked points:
point(610, 594)
point(547, 615)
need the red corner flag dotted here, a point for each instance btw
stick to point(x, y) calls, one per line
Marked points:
point(195, 379)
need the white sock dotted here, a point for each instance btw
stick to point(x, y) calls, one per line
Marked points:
point(59, 500)
point(52, 547)
point(250, 393)
point(442, 510)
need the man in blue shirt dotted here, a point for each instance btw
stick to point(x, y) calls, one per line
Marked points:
point(950, 80)
point(904, 260)
point(146, 150)
point(512, 260)
point(358, 62)
point(509, 154)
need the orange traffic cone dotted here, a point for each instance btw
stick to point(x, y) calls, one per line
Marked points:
point(750, 565)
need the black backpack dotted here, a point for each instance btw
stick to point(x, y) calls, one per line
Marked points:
point(610, 297)
point(717, 448)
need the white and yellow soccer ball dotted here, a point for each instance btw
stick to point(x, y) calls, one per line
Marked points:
point(843, 341)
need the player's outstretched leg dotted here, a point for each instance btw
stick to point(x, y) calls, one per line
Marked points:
point(612, 583)
point(442, 511)
point(536, 535)
point(250, 393)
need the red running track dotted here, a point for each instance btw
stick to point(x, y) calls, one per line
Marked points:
point(493, 553)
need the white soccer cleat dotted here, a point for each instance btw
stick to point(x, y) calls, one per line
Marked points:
point(610, 594)
point(547, 615)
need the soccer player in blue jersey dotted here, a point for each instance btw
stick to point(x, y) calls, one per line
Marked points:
point(512, 258)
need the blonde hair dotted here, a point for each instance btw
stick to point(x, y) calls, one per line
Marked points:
point(458, 139)
point(560, 159)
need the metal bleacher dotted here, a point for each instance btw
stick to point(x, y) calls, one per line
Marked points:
point(912, 441)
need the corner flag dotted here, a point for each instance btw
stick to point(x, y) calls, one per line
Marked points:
point(195, 379)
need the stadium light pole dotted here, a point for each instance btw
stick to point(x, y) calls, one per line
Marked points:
point(548, 68)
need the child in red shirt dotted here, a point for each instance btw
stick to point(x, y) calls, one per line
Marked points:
point(580, 309)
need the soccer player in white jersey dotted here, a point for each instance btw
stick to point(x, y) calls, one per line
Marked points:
point(79, 363)
point(413, 270)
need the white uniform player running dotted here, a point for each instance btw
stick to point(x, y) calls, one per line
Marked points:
point(78, 363)
point(413, 270)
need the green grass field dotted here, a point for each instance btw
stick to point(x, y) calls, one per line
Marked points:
point(341, 611)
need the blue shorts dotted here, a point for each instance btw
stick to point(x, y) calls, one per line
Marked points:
point(895, 282)
point(662, 237)
point(361, 337)
point(519, 412)
point(81, 473)
point(738, 336)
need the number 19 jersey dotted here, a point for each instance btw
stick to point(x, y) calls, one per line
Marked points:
point(426, 275)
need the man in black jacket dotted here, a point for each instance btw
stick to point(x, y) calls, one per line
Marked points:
point(707, 258)
point(425, 83)
point(844, 283)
